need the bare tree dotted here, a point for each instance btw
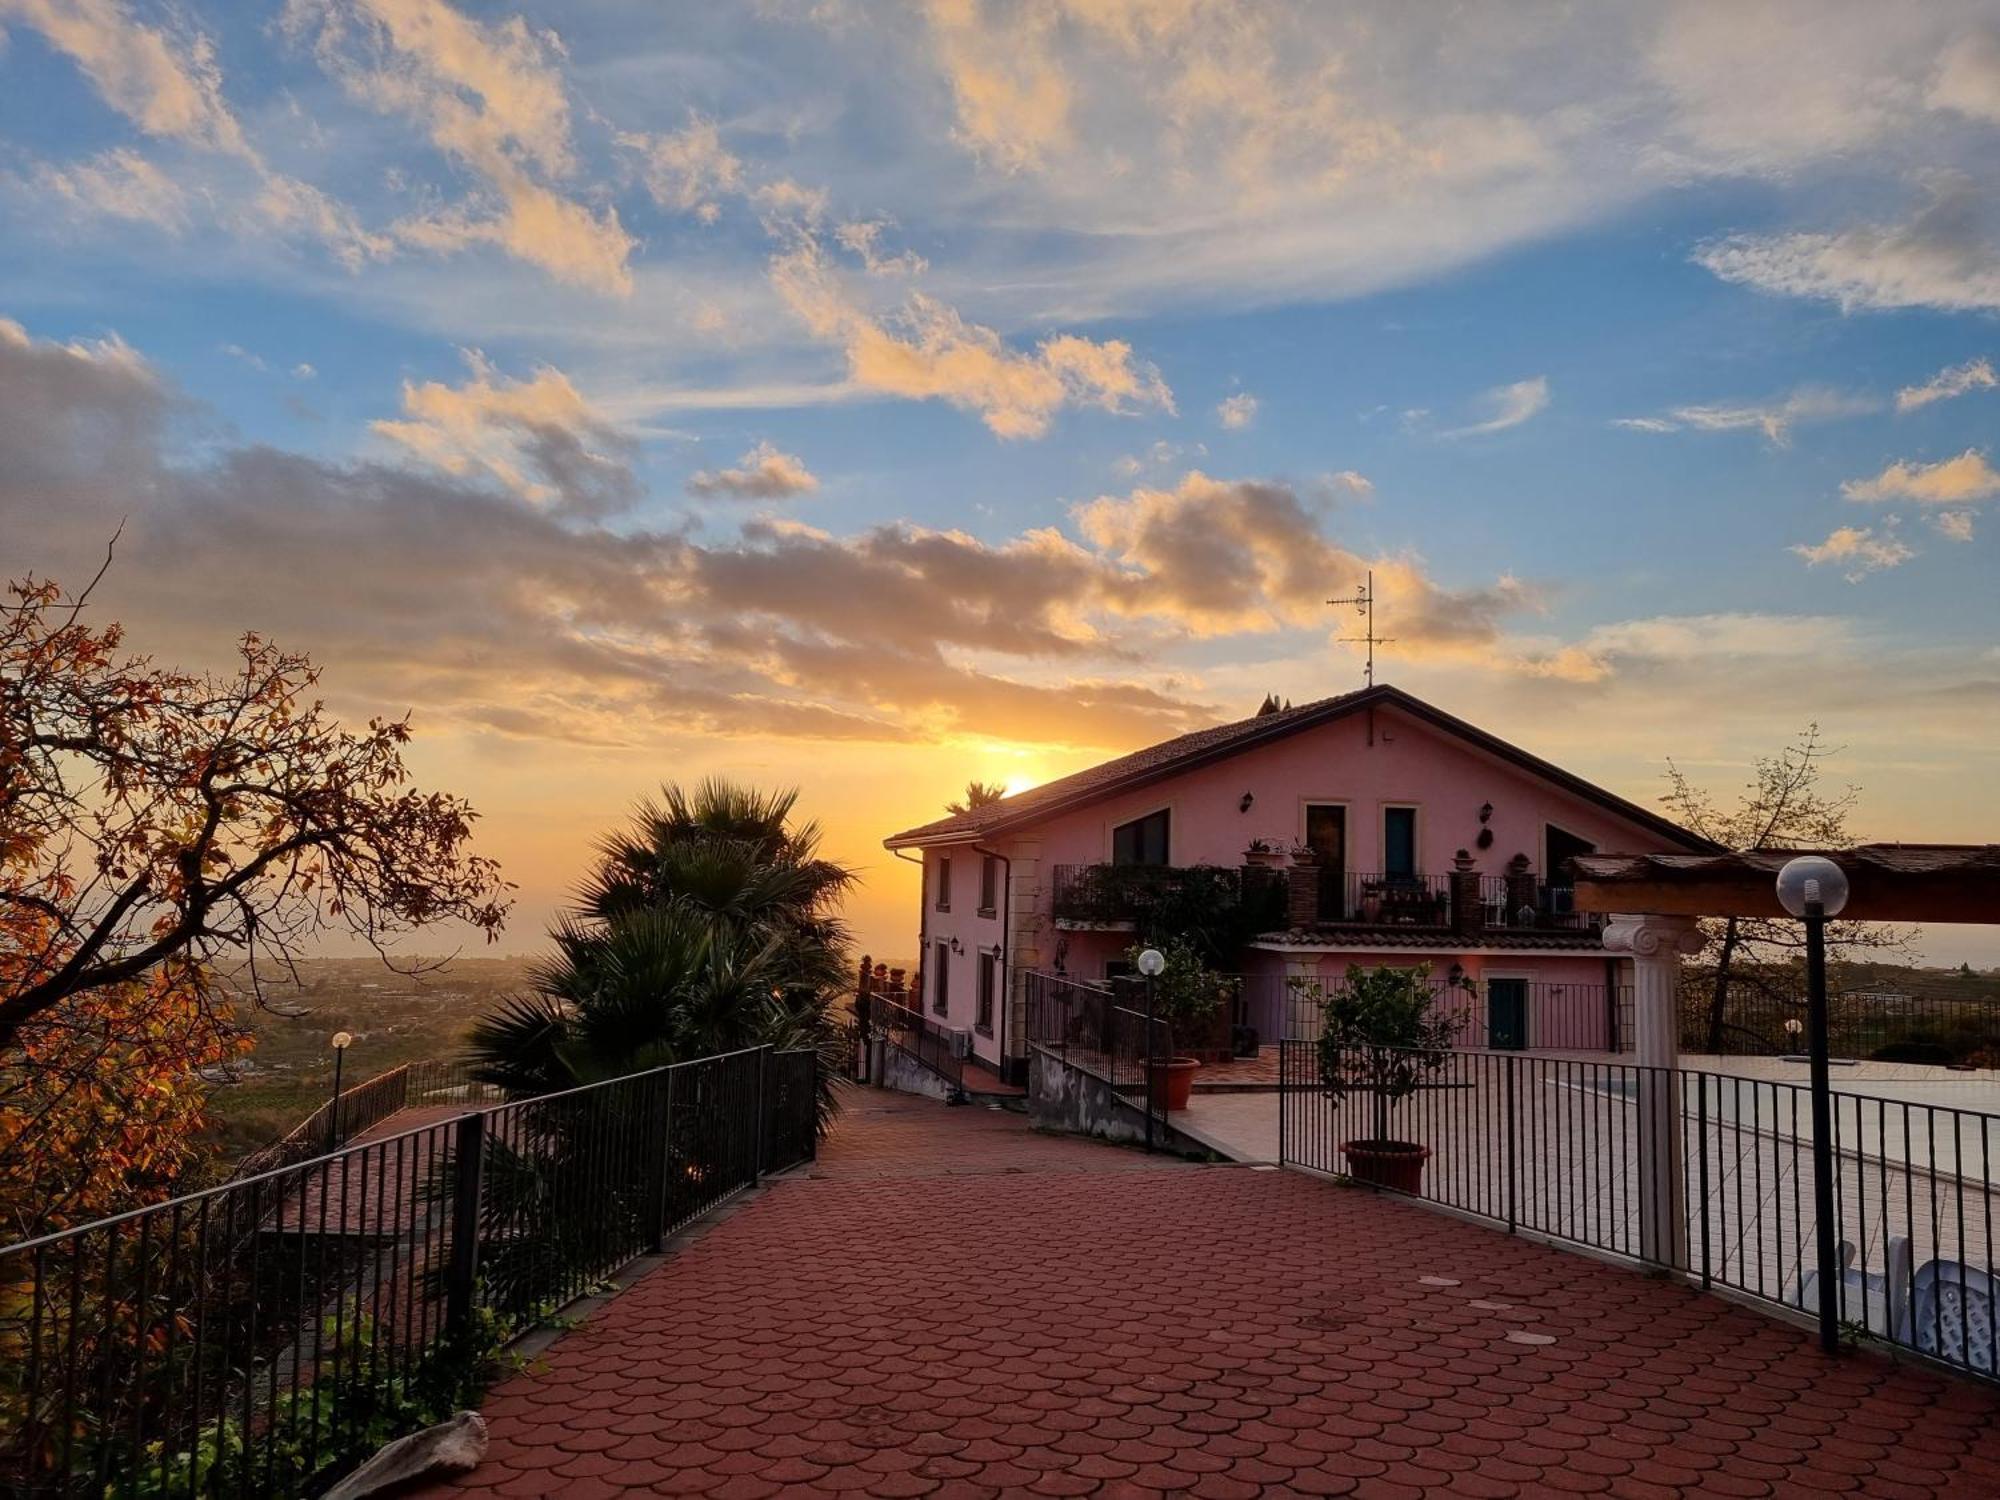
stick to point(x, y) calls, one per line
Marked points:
point(1783, 806)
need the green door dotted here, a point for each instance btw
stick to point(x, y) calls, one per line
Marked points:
point(1507, 1014)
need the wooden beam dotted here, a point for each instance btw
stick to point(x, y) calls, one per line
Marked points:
point(1875, 895)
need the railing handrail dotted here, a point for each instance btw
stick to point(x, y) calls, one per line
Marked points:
point(306, 1164)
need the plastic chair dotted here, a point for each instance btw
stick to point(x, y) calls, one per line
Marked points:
point(1951, 1315)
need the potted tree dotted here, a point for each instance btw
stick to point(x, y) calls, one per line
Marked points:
point(1188, 997)
point(1381, 1038)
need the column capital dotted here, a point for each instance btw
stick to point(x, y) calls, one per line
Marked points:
point(1651, 935)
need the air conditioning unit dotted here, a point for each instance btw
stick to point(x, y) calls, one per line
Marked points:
point(961, 1042)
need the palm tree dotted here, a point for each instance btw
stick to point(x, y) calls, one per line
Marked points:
point(707, 925)
point(977, 794)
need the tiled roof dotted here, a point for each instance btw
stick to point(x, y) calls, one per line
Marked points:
point(1115, 775)
point(1170, 757)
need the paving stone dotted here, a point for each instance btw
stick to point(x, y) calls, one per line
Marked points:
point(950, 1305)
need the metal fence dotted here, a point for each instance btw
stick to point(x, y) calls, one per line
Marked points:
point(417, 1085)
point(1514, 1015)
point(1767, 1019)
point(1095, 1029)
point(249, 1339)
point(916, 1035)
point(1563, 1147)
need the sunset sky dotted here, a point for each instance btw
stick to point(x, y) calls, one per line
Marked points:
point(878, 396)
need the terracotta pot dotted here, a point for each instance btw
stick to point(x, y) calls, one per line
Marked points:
point(1173, 1082)
point(1389, 1164)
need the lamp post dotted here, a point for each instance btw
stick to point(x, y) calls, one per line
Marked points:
point(342, 1040)
point(1813, 889)
point(1152, 964)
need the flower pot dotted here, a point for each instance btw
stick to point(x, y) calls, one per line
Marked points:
point(1172, 1082)
point(1389, 1164)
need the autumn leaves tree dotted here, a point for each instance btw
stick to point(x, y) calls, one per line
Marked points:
point(158, 827)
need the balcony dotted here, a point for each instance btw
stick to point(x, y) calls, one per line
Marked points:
point(1122, 898)
point(1119, 898)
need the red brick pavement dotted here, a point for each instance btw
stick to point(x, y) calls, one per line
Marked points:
point(952, 1305)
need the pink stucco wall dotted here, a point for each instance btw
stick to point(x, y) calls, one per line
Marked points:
point(975, 931)
point(1405, 763)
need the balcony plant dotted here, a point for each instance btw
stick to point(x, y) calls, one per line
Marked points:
point(1382, 1038)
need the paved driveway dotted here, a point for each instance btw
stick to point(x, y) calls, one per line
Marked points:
point(953, 1305)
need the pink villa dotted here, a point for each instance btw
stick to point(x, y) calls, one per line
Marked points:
point(1369, 828)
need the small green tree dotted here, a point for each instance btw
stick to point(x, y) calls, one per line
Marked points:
point(1188, 991)
point(1380, 1035)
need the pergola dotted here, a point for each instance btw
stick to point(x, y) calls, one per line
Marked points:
point(1651, 902)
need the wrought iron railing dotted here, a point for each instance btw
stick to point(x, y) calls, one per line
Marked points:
point(1516, 1015)
point(1529, 903)
point(253, 1338)
point(1563, 1148)
point(1120, 895)
point(1765, 1016)
point(1096, 1030)
point(1375, 899)
point(418, 1085)
point(916, 1036)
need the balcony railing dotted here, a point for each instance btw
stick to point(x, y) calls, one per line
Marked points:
point(1120, 896)
point(1382, 900)
point(1529, 902)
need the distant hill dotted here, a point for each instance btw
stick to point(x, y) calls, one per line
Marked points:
point(395, 1018)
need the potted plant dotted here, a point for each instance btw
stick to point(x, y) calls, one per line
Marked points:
point(1188, 997)
point(1261, 852)
point(1381, 1038)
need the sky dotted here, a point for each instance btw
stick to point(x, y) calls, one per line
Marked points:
point(874, 397)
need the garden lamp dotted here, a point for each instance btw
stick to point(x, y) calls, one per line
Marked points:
point(342, 1040)
point(1152, 964)
point(1813, 888)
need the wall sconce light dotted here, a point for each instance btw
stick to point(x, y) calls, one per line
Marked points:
point(957, 946)
point(1248, 798)
point(1457, 974)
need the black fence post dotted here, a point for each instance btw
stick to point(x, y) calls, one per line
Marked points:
point(1513, 1150)
point(461, 1282)
point(1149, 1062)
point(812, 1111)
point(1822, 1128)
point(763, 1068)
point(656, 1207)
point(1284, 1090)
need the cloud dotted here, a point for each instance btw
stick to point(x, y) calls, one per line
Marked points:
point(170, 87)
point(1507, 406)
point(761, 474)
point(1775, 419)
point(1237, 412)
point(1953, 525)
point(926, 351)
point(1950, 481)
point(1859, 549)
point(539, 437)
point(1948, 384)
point(864, 239)
point(122, 184)
point(492, 100)
point(1968, 82)
point(687, 170)
point(1945, 257)
point(1353, 481)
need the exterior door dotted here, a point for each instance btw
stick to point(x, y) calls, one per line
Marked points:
point(1507, 1014)
point(1326, 836)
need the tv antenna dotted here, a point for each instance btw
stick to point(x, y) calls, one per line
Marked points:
point(1364, 601)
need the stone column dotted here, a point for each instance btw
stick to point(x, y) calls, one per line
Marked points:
point(1657, 945)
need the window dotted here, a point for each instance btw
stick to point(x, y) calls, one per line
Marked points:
point(989, 981)
point(1399, 842)
point(1562, 847)
point(944, 883)
point(941, 984)
point(1143, 841)
point(989, 885)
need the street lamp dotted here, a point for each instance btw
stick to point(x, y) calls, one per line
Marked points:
point(1814, 888)
point(1152, 964)
point(342, 1040)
